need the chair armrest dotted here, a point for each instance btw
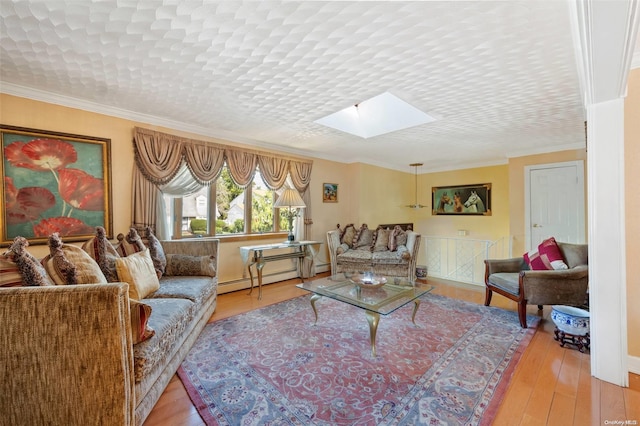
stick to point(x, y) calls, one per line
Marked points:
point(193, 247)
point(557, 287)
point(333, 242)
point(493, 266)
point(577, 273)
point(59, 341)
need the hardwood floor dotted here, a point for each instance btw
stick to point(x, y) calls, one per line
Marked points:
point(551, 385)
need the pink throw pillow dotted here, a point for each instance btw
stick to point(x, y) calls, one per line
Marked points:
point(547, 257)
point(550, 254)
point(534, 261)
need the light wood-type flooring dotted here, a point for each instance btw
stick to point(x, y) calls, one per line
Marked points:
point(551, 385)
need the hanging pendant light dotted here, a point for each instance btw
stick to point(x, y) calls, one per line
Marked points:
point(415, 205)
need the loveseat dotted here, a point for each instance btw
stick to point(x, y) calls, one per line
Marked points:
point(67, 352)
point(387, 250)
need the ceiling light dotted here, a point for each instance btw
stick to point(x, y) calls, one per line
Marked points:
point(381, 114)
point(415, 205)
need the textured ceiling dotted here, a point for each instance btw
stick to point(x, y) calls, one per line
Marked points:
point(500, 76)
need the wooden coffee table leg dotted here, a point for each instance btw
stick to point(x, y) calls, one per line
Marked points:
point(313, 299)
point(373, 318)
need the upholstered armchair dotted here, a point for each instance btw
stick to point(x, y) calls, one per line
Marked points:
point(512, 279)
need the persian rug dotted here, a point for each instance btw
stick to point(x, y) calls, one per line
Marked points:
point(274, 366)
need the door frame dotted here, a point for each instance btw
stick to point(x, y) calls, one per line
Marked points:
point(579, 164)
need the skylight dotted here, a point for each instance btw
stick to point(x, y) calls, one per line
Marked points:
point(381, 114)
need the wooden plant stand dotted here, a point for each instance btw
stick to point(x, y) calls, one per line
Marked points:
point(582, 342)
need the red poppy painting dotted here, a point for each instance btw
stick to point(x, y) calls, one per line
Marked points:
point(53, 182)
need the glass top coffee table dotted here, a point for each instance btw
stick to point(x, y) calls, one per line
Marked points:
point(375, 298)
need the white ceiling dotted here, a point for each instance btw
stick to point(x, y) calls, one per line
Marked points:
point(499, 76)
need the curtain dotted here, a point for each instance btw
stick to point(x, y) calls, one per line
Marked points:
point(161, 157)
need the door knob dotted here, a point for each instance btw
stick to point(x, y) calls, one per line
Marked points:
point(535, 225)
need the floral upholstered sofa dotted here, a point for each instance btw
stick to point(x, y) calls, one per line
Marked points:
point(98, 352)
point(387, 250)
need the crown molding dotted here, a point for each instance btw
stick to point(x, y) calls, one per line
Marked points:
point(139, 118)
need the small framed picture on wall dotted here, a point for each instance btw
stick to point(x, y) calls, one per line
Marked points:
point(329, 192)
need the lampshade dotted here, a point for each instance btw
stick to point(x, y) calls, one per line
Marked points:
point(289, 198)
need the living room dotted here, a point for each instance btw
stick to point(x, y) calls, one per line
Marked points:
point(367, 193)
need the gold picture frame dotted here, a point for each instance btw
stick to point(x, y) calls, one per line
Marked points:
point(53, 182)
point(472, 200)
point(329, 192)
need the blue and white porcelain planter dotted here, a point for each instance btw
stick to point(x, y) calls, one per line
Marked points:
point(571, 320)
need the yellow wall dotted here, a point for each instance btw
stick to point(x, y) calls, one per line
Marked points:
point(516, 191)
point(16, 111)
point(632, 207)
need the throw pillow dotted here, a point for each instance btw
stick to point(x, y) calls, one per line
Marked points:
point(137, 271)
point(381, 242)
point(363, 238)
point(397, 238)
point(31, 271)
point(534, 261)
point(130, 243)
point(140, 313)
point(347, 235)
point(9, 272)
point(551, 255)
point(59, 268)
point(85, 269)
point(183, 264)
point(157, 252)
point(99, 248)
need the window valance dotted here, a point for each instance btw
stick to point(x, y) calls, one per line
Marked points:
point(160, 155)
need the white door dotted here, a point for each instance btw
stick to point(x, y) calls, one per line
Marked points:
point(554, 203)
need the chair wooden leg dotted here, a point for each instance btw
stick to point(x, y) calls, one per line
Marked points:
point(487, 296)
point(522, 313)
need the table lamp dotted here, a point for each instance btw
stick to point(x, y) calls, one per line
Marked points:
point(290, 198)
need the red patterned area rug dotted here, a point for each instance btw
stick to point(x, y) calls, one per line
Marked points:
point(274, 366)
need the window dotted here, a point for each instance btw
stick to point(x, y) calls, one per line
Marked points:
point(196, 215)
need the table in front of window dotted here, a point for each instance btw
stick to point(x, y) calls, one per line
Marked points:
point(300, 250)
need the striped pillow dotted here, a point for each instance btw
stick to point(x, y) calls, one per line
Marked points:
point(130, 243)
point(100, 249)
point(140, 313)
point(9, 273)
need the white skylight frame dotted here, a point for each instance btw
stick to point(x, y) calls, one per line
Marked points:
point(377, 116)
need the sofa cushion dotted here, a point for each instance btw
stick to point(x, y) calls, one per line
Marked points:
point(389, 258)
point(198, 289)
point(170, 319)
point(100, 249)
point(182, 264)
point(355, 256)
point(507, 281)
point(137, 271)
point(139, 315)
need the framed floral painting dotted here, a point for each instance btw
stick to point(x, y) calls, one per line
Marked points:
point(53, 182)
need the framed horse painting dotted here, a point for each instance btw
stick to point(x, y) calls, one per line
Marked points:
point(462, 200)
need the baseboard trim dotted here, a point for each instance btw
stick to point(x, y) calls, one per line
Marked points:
point(634, 364)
